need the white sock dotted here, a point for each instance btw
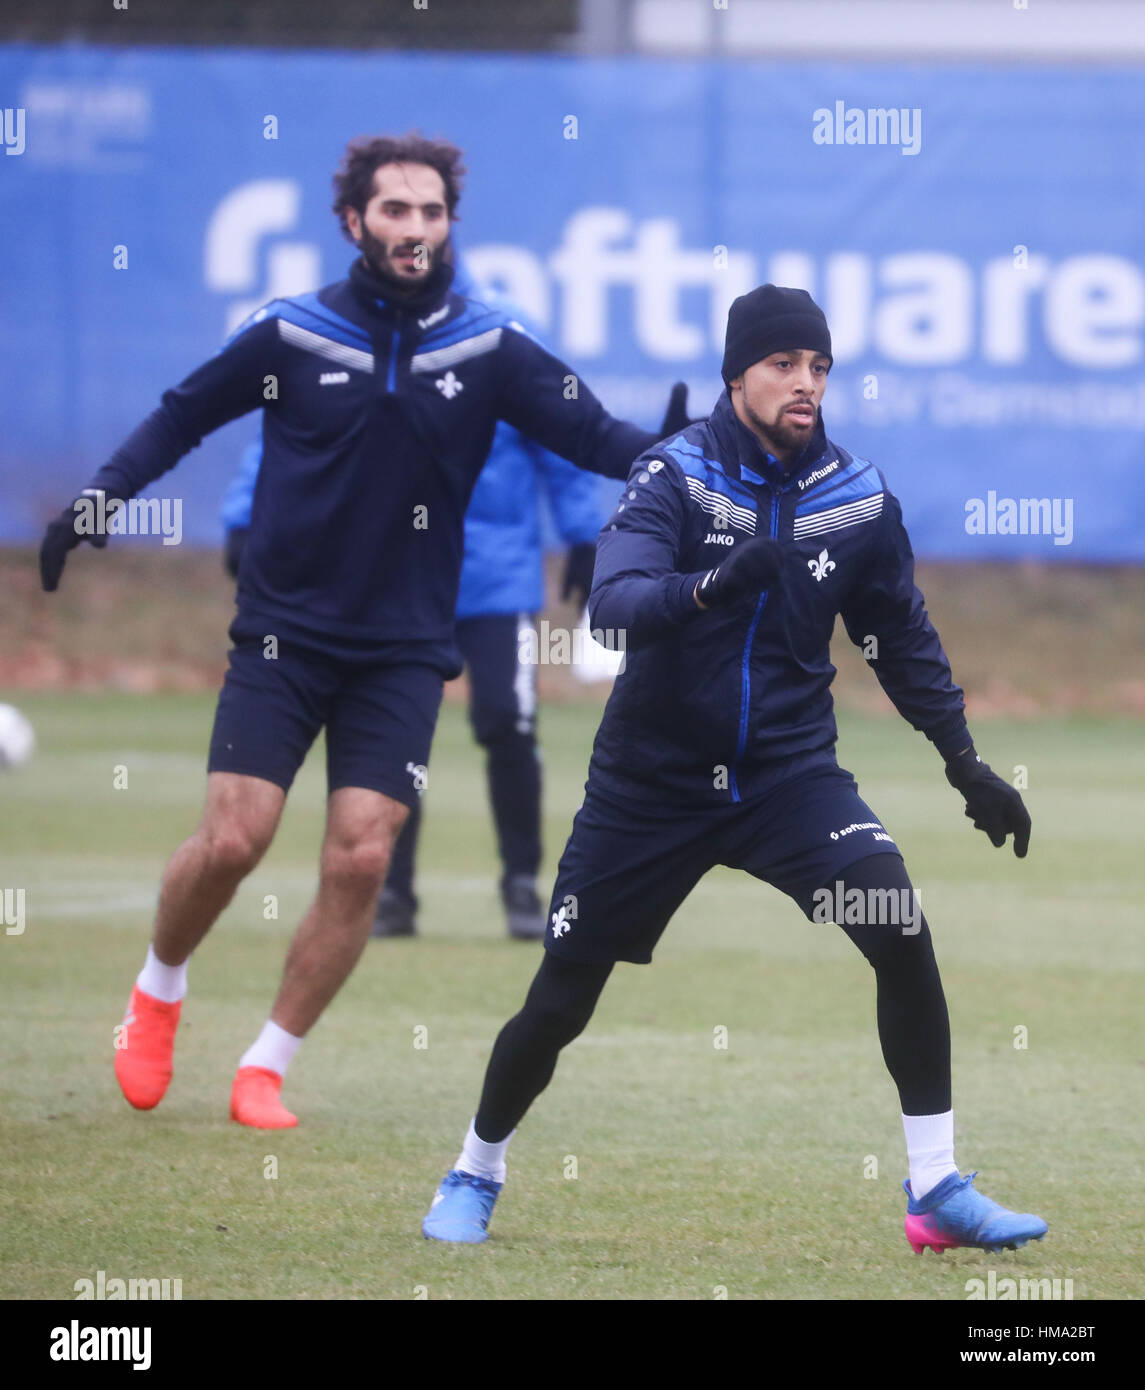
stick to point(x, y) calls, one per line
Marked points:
point(273, 1049)
point(929, 1150)
point(482, 1160)
point(165, 982)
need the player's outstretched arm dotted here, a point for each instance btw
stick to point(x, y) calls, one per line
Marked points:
point(886, 616)
point(232, 383)
point(545, 399)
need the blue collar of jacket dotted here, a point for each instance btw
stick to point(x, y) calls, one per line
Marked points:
point(378, 297)
point(745, 459)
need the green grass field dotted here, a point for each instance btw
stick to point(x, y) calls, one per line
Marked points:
point(697, 1169)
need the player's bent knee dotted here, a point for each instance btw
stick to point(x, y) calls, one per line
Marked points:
point(561, 1000)
point(359, 864)
point(561, 1014)
point(233, 850)
point(560, 1023)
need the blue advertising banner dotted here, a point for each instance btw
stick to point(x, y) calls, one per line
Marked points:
point(975, 236)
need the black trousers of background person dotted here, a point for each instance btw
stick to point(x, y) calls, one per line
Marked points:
point(503, 715)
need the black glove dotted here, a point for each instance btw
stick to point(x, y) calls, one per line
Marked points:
point(676, 416)
point(233, 550)
point(991, 803)
point(751, 567)
point(578, 572)
point(88, 514)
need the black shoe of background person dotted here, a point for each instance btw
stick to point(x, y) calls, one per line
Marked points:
point(523, 909)
point(396, 915)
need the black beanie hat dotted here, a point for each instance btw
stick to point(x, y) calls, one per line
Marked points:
point(768, 320)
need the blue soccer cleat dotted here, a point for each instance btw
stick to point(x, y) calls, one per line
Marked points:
point(953, 1215)
point(461, 1210)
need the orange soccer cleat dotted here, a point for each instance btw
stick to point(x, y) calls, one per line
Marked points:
point(144, 1048)
point(255, 1102)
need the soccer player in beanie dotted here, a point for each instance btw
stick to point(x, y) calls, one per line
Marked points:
point(380, 394)
point(733, 548)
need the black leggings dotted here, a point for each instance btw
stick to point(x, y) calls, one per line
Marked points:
point(914, 1028)
point(910, 1007)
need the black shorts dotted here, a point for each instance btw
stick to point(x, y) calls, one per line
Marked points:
point(628, 865)
point(379, 712)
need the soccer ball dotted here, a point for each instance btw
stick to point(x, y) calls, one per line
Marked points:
point(17, 738)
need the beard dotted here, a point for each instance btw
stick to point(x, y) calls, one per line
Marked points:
point(377, 256)
point(782, 435)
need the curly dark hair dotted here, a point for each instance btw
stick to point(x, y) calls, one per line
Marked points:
point(354, 181)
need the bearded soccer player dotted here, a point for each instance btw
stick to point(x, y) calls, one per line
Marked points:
point(733, 548)
point(380, 394)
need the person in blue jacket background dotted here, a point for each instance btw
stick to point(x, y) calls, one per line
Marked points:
point(502, 589)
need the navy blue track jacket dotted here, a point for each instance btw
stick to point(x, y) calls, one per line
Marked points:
point(502, 568)
point(713, 706)
point(378, 416)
